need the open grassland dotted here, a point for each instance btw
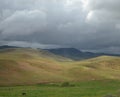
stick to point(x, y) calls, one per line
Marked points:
point(29, 66)
point(40, 74)
point(80, 89)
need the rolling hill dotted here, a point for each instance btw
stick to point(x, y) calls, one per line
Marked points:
point(27, 66)
point(22, 66)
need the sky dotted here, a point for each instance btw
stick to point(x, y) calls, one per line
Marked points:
point(89, 25)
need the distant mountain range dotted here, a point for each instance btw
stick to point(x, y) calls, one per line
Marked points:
point(71, 53)
point(76, 54)
point(7, 47)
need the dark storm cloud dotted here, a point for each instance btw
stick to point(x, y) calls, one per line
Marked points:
point(86, 24)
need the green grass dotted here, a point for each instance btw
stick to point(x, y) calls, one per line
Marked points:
point(81, 89)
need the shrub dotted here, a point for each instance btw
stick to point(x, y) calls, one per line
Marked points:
point(65, 84)
point(23, 93)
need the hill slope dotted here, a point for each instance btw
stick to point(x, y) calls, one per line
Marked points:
point(27, 66)
point(21, 66)
point(104, 66)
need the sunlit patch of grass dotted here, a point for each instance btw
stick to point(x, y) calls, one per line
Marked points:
point(81, 89)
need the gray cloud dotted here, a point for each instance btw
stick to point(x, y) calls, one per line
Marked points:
point(84, 24)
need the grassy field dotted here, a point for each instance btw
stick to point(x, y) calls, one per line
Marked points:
point(81, 89)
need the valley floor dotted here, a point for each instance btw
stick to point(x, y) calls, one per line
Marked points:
point(79, 89)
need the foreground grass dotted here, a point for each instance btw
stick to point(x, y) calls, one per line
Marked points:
point(81, 89)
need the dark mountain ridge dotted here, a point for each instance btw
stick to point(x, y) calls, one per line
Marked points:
point(8, 47)
point(76, 54)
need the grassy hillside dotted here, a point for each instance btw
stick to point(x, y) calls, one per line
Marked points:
point(104, 66)
point(29, 66)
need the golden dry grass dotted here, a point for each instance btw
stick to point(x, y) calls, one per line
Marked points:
point(29, 66)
